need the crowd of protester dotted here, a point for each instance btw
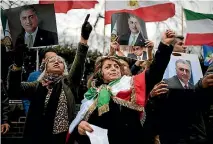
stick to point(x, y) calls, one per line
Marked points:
point(150, 112)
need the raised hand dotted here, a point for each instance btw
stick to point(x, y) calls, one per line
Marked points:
point(207, 81)
point(168, 37)
point(149, 44)
point(114, 46)
point(86, 28)
point(160, 88)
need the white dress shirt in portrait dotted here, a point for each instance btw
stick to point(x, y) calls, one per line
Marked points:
point(27, 37)
point(184, 84)
point(133, 38)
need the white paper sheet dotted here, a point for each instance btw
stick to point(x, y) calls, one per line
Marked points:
point(98, 136)
point(83, 109)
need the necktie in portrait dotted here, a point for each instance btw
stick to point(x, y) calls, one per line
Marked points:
point(30, 41)
point(133, 40)
point(186, 87)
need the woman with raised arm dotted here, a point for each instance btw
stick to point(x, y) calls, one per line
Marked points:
point(52, 96)
point(116, 102)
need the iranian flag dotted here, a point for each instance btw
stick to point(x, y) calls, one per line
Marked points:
point(149, 11)
point(199, 28)
point(122, 91)
point(62, 6)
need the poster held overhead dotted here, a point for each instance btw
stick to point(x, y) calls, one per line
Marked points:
point(183, 71)
point(117, 14)
point(130, 32)
point(35, 26)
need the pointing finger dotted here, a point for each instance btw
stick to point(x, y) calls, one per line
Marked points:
point(87, 18)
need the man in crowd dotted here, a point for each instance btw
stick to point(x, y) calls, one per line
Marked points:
point(135, 66)
point(135, 35)
point(143, 58)
point(139, 53)
point(32, 34)
point(181, 80)
point(179, 113)
point(205, 87)
point(179, 45)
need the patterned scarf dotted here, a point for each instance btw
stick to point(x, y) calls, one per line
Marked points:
point(50, 79)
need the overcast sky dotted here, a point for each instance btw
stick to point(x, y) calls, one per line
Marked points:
point(69, 25)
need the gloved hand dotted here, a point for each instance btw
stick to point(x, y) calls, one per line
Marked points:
point(19, 54)
point(86, 28)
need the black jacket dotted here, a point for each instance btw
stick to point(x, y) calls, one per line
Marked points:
point(180, 119)
point(6, 60)
point(4, 104)
point(180, 114)
point(43, 38)
point(175, 83)
point(123, 124)
point(208, 107)
point(124, 40)
point(133, 56)
point(177, 117)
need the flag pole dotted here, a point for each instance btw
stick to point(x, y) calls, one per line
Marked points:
point(182, 15)
point(37, 59)
point(104, 27)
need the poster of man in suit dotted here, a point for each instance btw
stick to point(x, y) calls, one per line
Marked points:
point(131, 32)
point(33, 25)
point(183, 71)
point(182, 79)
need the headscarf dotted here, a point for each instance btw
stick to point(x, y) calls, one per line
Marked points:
point(50, 78)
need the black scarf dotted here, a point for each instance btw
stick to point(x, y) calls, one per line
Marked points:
point(40, 121)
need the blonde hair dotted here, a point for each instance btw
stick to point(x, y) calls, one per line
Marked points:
point(65, 73)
